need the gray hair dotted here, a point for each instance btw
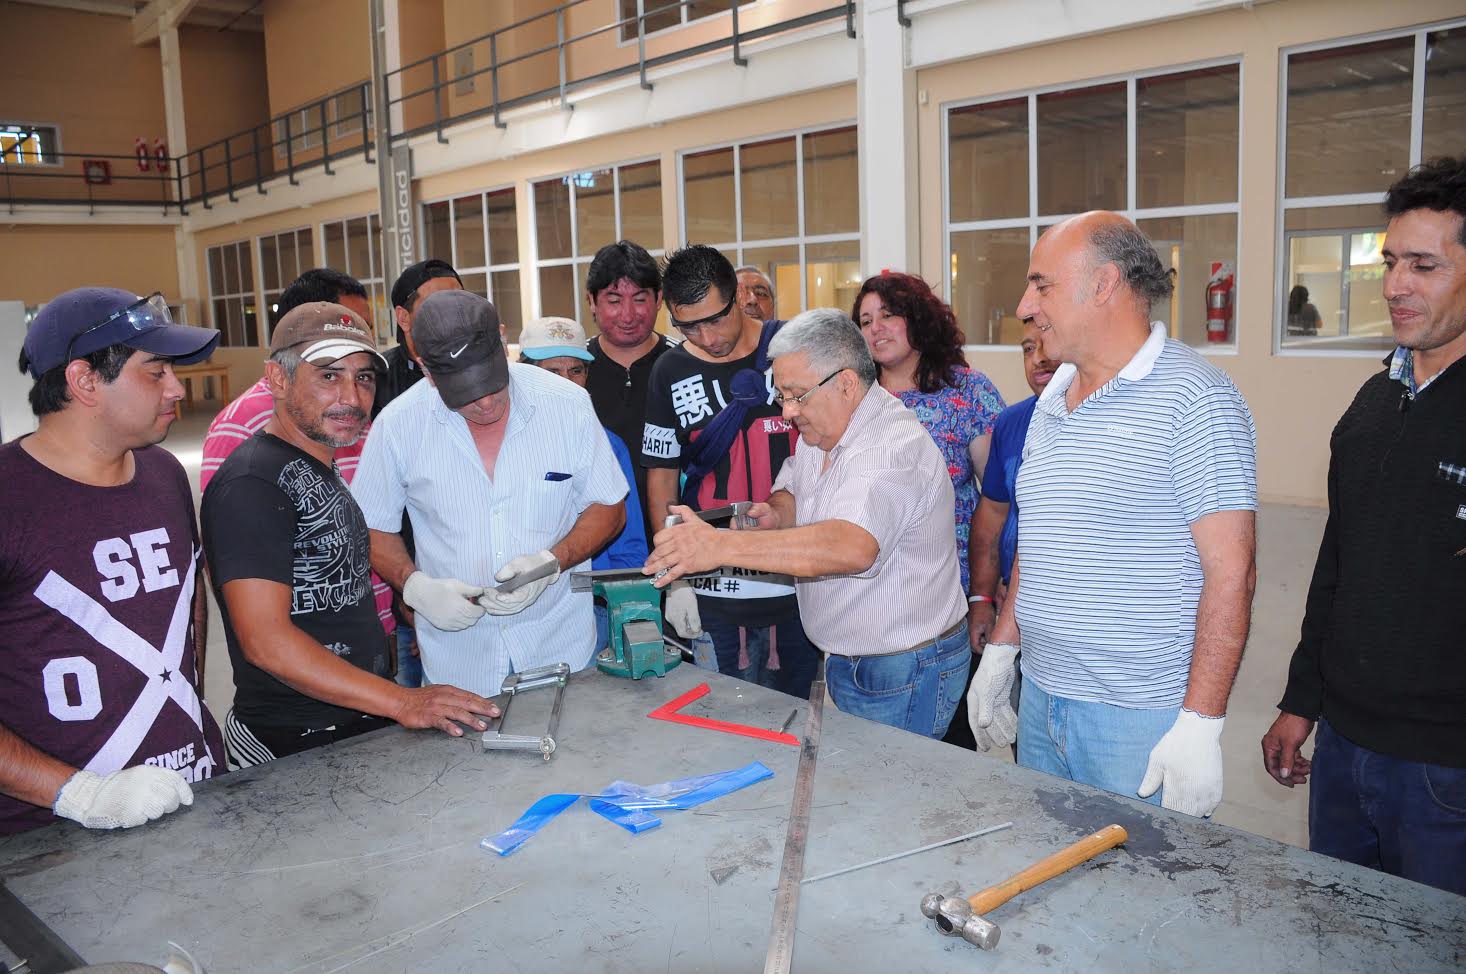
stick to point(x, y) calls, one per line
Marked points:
point(288, 359)
point(1123, 245)
point(755, 269)
point(830, 339)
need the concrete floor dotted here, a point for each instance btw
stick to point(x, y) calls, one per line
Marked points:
point(1287, 544)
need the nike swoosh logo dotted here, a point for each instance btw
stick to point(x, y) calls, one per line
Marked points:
point(459, 352)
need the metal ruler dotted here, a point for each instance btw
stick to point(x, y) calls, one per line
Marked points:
point(786, 901)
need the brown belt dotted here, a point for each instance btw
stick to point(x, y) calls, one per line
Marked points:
point(955, 628)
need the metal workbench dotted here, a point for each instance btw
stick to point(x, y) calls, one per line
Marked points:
point(364, 856)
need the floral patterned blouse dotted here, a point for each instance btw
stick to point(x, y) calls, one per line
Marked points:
point(956, 415)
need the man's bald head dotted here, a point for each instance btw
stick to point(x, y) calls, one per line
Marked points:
point(1111, 239)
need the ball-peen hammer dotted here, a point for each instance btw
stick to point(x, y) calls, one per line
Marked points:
point(966, 918)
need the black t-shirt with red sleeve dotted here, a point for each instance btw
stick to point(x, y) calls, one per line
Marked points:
point(96, 622)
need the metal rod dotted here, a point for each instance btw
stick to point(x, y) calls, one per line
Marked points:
point(229, 172)
point(850, 19)
point(325, 139)
point(259, 169)
point(289, 153)
point(494, 77)
point(738, 57)
point(560, 49)
point(909, 852)
point(641, 43)
point(438, 100)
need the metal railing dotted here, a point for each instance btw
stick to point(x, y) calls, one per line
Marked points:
point(426, 100)
point(319, 133)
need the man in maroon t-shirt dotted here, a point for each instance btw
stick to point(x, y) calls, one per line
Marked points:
point(100, 664)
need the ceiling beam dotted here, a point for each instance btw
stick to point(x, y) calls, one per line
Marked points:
point(114, 8)
point(157, 16)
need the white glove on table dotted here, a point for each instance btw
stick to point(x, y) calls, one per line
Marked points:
point(123, 798)
point(541, 563)
point(680, 610)
point(989, 711)
point(1186, 764)
point(445, 602)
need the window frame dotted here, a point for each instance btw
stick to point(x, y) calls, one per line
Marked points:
point(577, 258)
point(250, 248)
point(801, 240)
point(264, 294)
point(1284, 203)
point(56, 150)
point(625, 40)
point(1036, 222)
point(375, 287)
point(490, 268)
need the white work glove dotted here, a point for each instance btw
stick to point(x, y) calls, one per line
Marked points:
point(123, 798)
point(680, 610)
point(445, 602)
point(1186, 765)
point(989, 711)
point(507, 603)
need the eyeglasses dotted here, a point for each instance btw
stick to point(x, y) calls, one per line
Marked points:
point(143, 315)
point(782, 400)
point(691, 326)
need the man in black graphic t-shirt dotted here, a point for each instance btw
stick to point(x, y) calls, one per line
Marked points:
point(752, 617)
point(289, 552)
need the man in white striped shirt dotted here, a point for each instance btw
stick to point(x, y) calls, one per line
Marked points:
point(504, 471)
point(1133, 584)
point(861, 516)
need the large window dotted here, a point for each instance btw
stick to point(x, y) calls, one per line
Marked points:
point(283, 258)
point(232, 295)
point(1161, 148)
point(1358, 115)
point(479, 235)
point(354, 246)
point(578, 214)
point(788, 205)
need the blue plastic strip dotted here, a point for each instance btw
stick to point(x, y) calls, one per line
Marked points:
point(629, 805)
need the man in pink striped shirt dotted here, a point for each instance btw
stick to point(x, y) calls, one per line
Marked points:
point(248, 414)
point(861, 517)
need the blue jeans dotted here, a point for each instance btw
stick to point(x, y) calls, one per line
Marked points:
point(915, 691)
point(1096, 744)
point(798, 657)
point(1402, 817)
point(409, 667)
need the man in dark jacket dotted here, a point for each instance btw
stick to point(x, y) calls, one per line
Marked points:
point(1380, 667)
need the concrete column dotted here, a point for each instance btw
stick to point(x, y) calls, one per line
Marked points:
point(885, 90)
point(190, 295)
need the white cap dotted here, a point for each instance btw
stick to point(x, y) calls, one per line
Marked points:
point(553, 337)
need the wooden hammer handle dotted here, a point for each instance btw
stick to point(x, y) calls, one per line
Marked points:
point(1040, 872)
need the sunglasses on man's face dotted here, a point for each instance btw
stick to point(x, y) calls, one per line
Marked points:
point(691, 326)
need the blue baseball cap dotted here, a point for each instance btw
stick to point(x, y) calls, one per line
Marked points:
point(89, 319)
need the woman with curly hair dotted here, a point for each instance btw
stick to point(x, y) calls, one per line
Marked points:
point(913, 337)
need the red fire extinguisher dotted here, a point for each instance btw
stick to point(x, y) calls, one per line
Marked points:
point(144, 160)
point(1219, 291)
point(160, 152)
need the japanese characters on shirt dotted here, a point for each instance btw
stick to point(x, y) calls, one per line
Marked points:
point(685, 394)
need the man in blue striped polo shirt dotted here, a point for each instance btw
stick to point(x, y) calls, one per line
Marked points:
point(1133, 584)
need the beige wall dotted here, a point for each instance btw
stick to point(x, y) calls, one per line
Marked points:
point(1295, 399)
point(225, 93)
point(420, 34)
point(313, 48)
point(43, 261)
point(82, 72)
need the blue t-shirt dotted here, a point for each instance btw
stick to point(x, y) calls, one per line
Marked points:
point(1000, 479)
point(628, 549)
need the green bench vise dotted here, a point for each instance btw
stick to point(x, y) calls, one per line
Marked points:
point(634, 606)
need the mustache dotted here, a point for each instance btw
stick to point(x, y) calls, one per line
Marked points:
point(345, 412)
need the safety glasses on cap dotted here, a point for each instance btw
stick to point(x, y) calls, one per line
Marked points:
point(144, 315)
